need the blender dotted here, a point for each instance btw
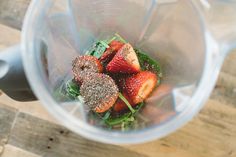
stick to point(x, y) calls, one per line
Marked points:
point(189, 38)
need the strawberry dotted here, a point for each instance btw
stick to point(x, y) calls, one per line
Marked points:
point(119, 78)
point(125, 61)
point(111, 51)
point(116, 45)
point(99, 92)
point(85, 64)
point(139, 86)
point(120, 105)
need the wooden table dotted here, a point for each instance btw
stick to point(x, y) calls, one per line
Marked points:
point(27, 130)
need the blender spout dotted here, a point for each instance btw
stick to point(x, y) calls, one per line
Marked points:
point(220, 18)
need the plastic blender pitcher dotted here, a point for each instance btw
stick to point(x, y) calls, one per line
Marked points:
point(189, 38)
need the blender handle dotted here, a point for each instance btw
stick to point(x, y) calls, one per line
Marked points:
point(13, 81)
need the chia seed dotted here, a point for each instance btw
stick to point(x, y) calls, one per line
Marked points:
point(99, 91)
point(83, 65)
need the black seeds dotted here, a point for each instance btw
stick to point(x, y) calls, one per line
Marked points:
point(99, 90)
point(84, 64)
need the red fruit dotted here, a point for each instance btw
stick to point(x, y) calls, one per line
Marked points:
point(107, 55)
point(116, 45)
point(125, 61)
point(120, 105)
point(139, 86)
point(111, 51)
point(85, 64)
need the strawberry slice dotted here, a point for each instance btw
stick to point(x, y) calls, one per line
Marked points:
point(139, 86)
point(111, 51)
point(99, 92)
point(85, 64)
point(125, 61)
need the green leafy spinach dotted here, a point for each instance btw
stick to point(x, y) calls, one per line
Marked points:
point(147, 63)
point(72, 89)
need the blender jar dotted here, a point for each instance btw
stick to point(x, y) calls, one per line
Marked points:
point(176, 33)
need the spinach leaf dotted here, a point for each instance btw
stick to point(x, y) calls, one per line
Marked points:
point(126, 102)
point(148, 63)
point(108, 41)
point(118, 120)
point(72, 89)
point(119, 38)
point(100, 47)
point(126, 120)
point(60, 94)
point(106, 116)
point(139, 107)
point(97, 49)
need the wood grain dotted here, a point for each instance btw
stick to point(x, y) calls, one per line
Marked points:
point(12, 12)
point(8, 37)
point(225, 89)
point(51, 140)
point(211, 134)
point(229, 64)
point(7, 117)
point(11, 151)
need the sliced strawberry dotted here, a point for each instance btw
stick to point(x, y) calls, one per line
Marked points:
point(99, 92)
point(85, 64)
point(125, 61)
point(139, 86)
point(111, 51)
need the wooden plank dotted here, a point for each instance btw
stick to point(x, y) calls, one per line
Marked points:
point(230, 64)
point(225, 89)
point(12, 12)
point(8, 37)
point(7, 117)
point(34, 108)
point(211, 134)
point(11, 151)
point(51, 140)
